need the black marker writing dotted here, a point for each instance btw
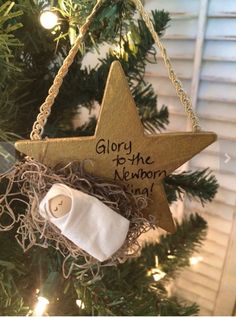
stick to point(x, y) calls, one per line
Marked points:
point(126, 175)
point(106, 147)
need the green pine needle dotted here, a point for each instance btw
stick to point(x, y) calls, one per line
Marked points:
point(200, 185)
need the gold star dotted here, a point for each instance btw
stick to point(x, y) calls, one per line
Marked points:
point(122, 152)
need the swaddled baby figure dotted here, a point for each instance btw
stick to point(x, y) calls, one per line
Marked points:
point(85, 220)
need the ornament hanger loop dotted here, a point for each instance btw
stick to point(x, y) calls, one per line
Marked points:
point(45, 109)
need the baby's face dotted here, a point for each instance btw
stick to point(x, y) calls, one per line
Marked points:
point(60, 205)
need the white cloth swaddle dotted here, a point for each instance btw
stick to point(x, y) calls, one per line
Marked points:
point(90, 224)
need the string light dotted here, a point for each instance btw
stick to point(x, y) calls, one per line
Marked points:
point(80, 304)
point(40, 306)
point(48, 19)
point(194, 260)
point(171, 257)
point(155, 272)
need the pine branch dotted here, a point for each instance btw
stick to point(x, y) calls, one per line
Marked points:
point(39, 65)
point(174, 307)
point(89, 85)
point(200, 185)
point(8, 41)
point(106, 25)
point(146, 100)
point(8, 67)
point(188, 237)
point(11, 270)
point(143, 295)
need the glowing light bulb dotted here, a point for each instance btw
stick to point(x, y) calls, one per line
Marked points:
point(41, 306)
point(171, 257)
point(158, 275)
point(80, 303)
point(194, 260)
point(48, 19)
point(155, 272)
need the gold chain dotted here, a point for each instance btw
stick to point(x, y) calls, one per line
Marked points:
point(45, 108)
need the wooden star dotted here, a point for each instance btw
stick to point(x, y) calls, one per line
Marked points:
point(122, 152)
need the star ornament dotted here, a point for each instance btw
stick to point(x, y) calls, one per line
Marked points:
point(122, 152)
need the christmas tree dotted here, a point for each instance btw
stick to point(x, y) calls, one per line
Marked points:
point(30, 56)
